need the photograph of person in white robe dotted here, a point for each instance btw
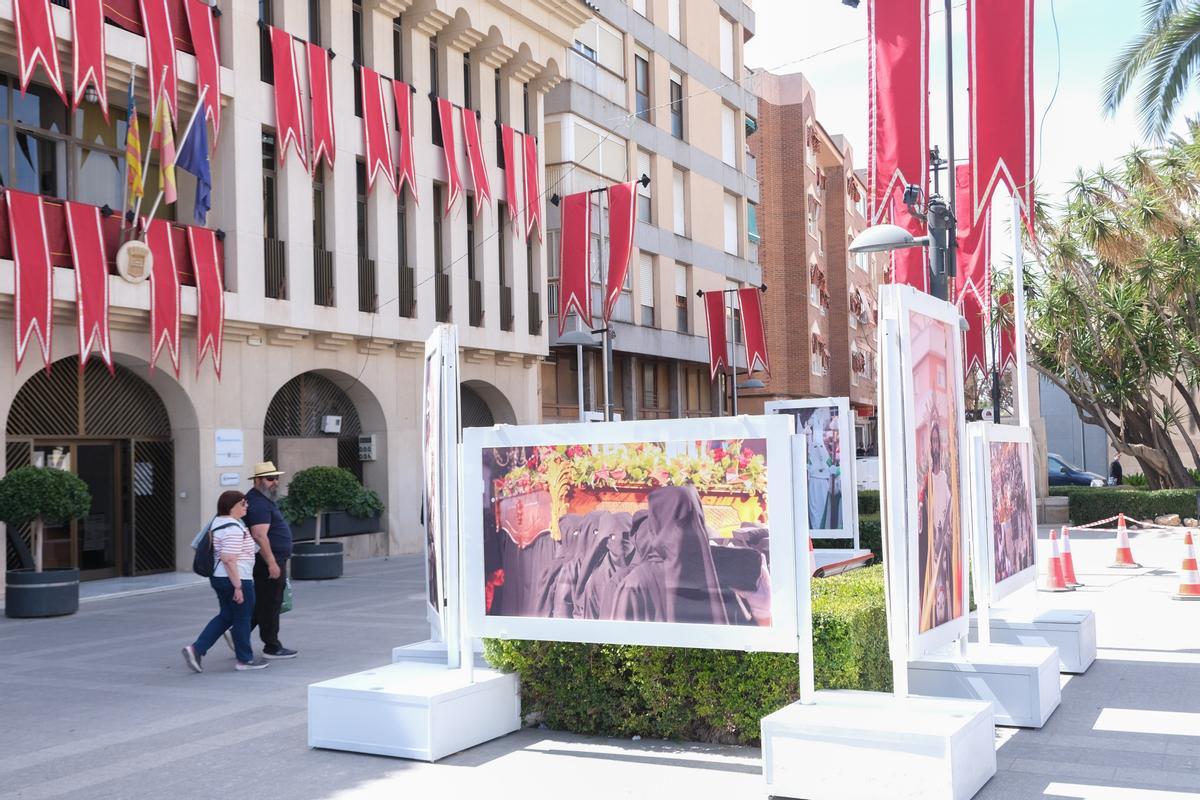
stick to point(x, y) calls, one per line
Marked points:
point(820, 427)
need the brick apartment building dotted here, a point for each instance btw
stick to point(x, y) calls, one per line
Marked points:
point(821, 303)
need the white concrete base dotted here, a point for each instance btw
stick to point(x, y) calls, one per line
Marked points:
point(1072, 631)
point(869, 745)
point(412, 710)
point(433, 652)
point(1021, 682)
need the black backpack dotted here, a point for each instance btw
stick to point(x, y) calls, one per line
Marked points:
point(204, 560)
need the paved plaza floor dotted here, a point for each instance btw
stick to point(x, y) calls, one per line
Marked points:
point(100, 705)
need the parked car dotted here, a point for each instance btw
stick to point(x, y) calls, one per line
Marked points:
point(1064, 474)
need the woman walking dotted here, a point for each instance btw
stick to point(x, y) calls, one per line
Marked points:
point(233, 581)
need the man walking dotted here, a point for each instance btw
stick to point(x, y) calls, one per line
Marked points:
point(274, 537)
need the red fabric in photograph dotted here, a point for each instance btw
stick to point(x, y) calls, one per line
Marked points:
point(454, 187)
point(714, 313)
point(479, 175)
point(159, 30)
point(622, 208)
point(574, 281)
point(164, 294)
point(36, 42)
point(754, 333)
point(91, 281)
point(33, 299)
point(203, 27)
point(210, 295)
point(289, 118)
point(377, 143)
point(87, 37)
point(320, 88)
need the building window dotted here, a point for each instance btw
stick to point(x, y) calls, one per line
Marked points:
point(676, 105)
point(314, 22)
point(639, 6)
point(726, 33)
point(467, 94)
point(435, 90)
point(641, 85)
point(438, 256)
point(471, 236)
point(681, 298)
point(525, 105)
point(729, 136)
point(266, 66)
point(649, 385)
point(360, 181)
point(398, 48)
point(319, 240)
point(752, 223)
point(679, 197)
point(644, 206)
point(270, 229)
point(498, 88)
point(356, 33)
point(646, 288)
point(732, 237)
point(674, 24)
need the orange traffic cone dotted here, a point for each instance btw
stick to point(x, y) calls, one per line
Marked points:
point(1124, 559)
point(1189, 577)
point(1068, 563)
point(1055, 582)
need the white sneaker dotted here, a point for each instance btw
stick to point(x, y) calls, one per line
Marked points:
point(240, 666)
point(192, 660)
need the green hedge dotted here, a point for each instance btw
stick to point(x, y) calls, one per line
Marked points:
point(868, 502)
point(870, 536)
point(1087, 505)
point(700, 695)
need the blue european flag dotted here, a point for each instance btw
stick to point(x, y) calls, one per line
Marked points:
point(193, 157)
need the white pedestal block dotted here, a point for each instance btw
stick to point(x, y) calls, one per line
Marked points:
point(1072, 631)
point(412, 710)
point(1020, 682)
point(869, 745)
point(433, 652)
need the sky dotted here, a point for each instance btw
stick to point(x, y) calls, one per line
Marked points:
point(806, 36)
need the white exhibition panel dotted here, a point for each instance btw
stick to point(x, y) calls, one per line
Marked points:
point(781, 635)
point(439, 452)
point(846, 462)
point(900, 304)
point(1020, 682)
point(413, 709)
point(983, 435)
point(1071, 631)
point(851, 745)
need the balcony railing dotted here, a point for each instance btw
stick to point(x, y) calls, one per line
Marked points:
point(322, 277)
point(408, 292)
point(535, 314)
point(475, 295)
point(751, 165)
point(275, 267)
point(506, 308)
point(368, 294)
point(599, 79)
point(441, 284)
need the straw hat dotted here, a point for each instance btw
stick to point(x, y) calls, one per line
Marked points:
point(265, 469)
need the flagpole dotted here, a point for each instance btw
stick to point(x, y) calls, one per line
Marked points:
point(125, 189)
point(137, 211)
point(1020, 381)
point(179, 147)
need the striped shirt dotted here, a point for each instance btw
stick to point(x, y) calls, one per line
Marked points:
point(234, 539)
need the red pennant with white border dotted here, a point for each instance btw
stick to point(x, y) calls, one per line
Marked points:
point(1008, 338)
point(160, 52)
point(714, 314)
point(34, 296)
point(453, 178)
point(208, 60)
point(210, 295)
point(753, 331)
point(622, 208)
point(377, 143)
point(88, 43)
point(508, 142)
point(574, 281)
point(479, 174)
point(320, 87)
point(36, 42)
point(533, 192)
point(164, 294)
point(1000, 60)
point(407, 166)
point(91, 281)
point(289, 118)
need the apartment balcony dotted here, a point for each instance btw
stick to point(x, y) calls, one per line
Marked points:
point(441, 287)
point(506, 308)
point(751, 166)
point(408, 292)
point(368, 293)
point(596, 78)
point(275, 269)
point(475, 295)
point(323, 277)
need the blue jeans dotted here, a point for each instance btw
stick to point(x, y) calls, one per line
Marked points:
point(232, 615)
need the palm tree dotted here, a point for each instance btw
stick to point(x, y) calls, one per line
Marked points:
point(1166, 55)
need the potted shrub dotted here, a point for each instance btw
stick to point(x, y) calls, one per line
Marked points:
point(36, 496)
point(326, 495)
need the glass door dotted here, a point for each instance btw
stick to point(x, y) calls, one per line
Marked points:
point(91, 544)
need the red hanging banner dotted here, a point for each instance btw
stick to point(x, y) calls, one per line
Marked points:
point(574, 279)
point(533, 192)
point(453, 179)
point(508, 142)
point(972, 284)
point(210, 295)
point(377, 143)
point(408, 166)
point(479, 175)
point(622, 205)
point(1000, 60)
point(899, 121)
point(208, 61)
point(714, 313)
point(164, 294)
point(320, 88)
point(160, 52)
point(87, 37)
point(34, 295)
point(1008, 338)
point(91, 281)
point(753, 330)
point(289, 118)
point(36, 42)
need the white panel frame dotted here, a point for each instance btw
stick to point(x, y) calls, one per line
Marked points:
point(786, 606)
point(983, 436)
point(849, 529)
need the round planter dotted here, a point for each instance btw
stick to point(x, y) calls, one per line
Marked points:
point(50, 593)
point(316, 562)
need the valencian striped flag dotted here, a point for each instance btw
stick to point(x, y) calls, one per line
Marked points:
point(163, 137)
point(134, 181)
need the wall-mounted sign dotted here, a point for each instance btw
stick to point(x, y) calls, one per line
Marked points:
point(230, 479)
point(230, 448)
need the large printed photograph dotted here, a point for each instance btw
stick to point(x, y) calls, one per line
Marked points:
point(937, 414)
point(431, 449)
point(1014, 534)
point(827, 428)
point(660, 531)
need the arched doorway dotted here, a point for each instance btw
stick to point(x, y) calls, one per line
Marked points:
point(113, 431)
point(482, 405)
point(297, 412)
